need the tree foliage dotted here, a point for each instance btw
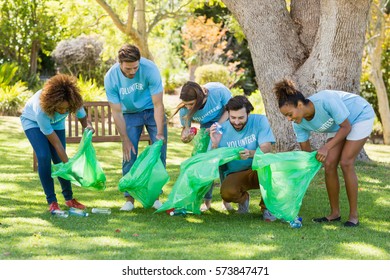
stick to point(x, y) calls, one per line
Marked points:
point(137, 18)
point(27, 27)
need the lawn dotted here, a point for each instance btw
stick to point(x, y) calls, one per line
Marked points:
point(29, 232)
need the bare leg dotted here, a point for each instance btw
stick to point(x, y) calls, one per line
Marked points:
point(332, 180)
point(347, 162)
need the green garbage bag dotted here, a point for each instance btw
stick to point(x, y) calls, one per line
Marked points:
point(284, 179)
point(83, 169)
point(146, 177)
point(195, 178)
point(201, 141)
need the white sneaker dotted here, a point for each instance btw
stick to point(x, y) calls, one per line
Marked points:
point(267, 216)
point(157, 204)
point(243, 208)
point(128, 206)
point(226, 206)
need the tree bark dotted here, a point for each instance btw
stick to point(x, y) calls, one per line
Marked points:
point(34, 57)
point(140, 35)
point(376, 76)
point(318, 44)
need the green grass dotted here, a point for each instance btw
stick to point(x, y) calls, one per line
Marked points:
point(29, 232)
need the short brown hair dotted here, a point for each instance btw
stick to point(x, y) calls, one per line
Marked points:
point(129, 53)
point(58, 89)
point(238, 102)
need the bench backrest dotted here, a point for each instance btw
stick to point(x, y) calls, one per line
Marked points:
point(99, 113)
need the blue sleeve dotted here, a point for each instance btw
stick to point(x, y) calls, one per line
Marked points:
point(302, 134)
point(44, 124)
point(265, 133)
point(80, 113)
point(155, 82)
point(336, 108)
point(183, 112)
point(226, 96)
point(111, 90)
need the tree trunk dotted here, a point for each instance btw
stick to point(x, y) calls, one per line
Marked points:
point(376, 76)
point(318, 44)
point(34, 57)
point(140, 35)
point(141, 29)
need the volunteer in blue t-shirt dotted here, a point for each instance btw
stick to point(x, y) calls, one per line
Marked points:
point(205, 105)
point(43, 121)
point(248, 131)
point(134, 90)
point(348, 120)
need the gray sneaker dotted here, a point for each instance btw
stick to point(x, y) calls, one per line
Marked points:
point(267, 216)
point(243, 207)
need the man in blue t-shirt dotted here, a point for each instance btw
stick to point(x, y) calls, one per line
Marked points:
point(247, 131)
point(135, 92)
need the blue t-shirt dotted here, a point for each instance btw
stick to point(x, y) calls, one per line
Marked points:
point(213, 109)
point(256, 132)
point(135, 95)
point(331, 109)
point(33, 116)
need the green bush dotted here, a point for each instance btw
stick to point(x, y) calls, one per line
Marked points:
point(255, 98)
point(212, 73)
point(13, 93)
point(173, 80)
point(8, 74)
point(90, 91)
point(13, 98)
point(257, 101)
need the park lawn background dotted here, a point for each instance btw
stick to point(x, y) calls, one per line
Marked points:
point(29, 232)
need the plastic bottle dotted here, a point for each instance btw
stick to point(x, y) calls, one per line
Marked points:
point(106, 211)
point(77, 212)
point(219, 128)
point(297, 223)
point(178, 212)
point(60, 213)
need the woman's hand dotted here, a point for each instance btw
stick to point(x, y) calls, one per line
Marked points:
point(186, 136)
point(322, 153)
point(90, 127)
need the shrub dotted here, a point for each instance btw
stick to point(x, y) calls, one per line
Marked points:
point(8, 74)
point(173, 80)
point(13, 98)
point(212, 73)
point(90, 91)
point(255, 98)
point(81, 56)
point(257, 101)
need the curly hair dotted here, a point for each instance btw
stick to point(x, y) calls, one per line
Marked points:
point(58, 89)
point(191, 91)
point(287, 93)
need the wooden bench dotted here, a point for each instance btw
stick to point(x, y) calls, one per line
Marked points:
point(99, 113)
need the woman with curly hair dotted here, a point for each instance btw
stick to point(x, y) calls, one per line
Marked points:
point(43, 121)
point(347, 119)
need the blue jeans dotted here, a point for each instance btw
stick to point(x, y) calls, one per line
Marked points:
point(134, 125)
point(45, 154)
